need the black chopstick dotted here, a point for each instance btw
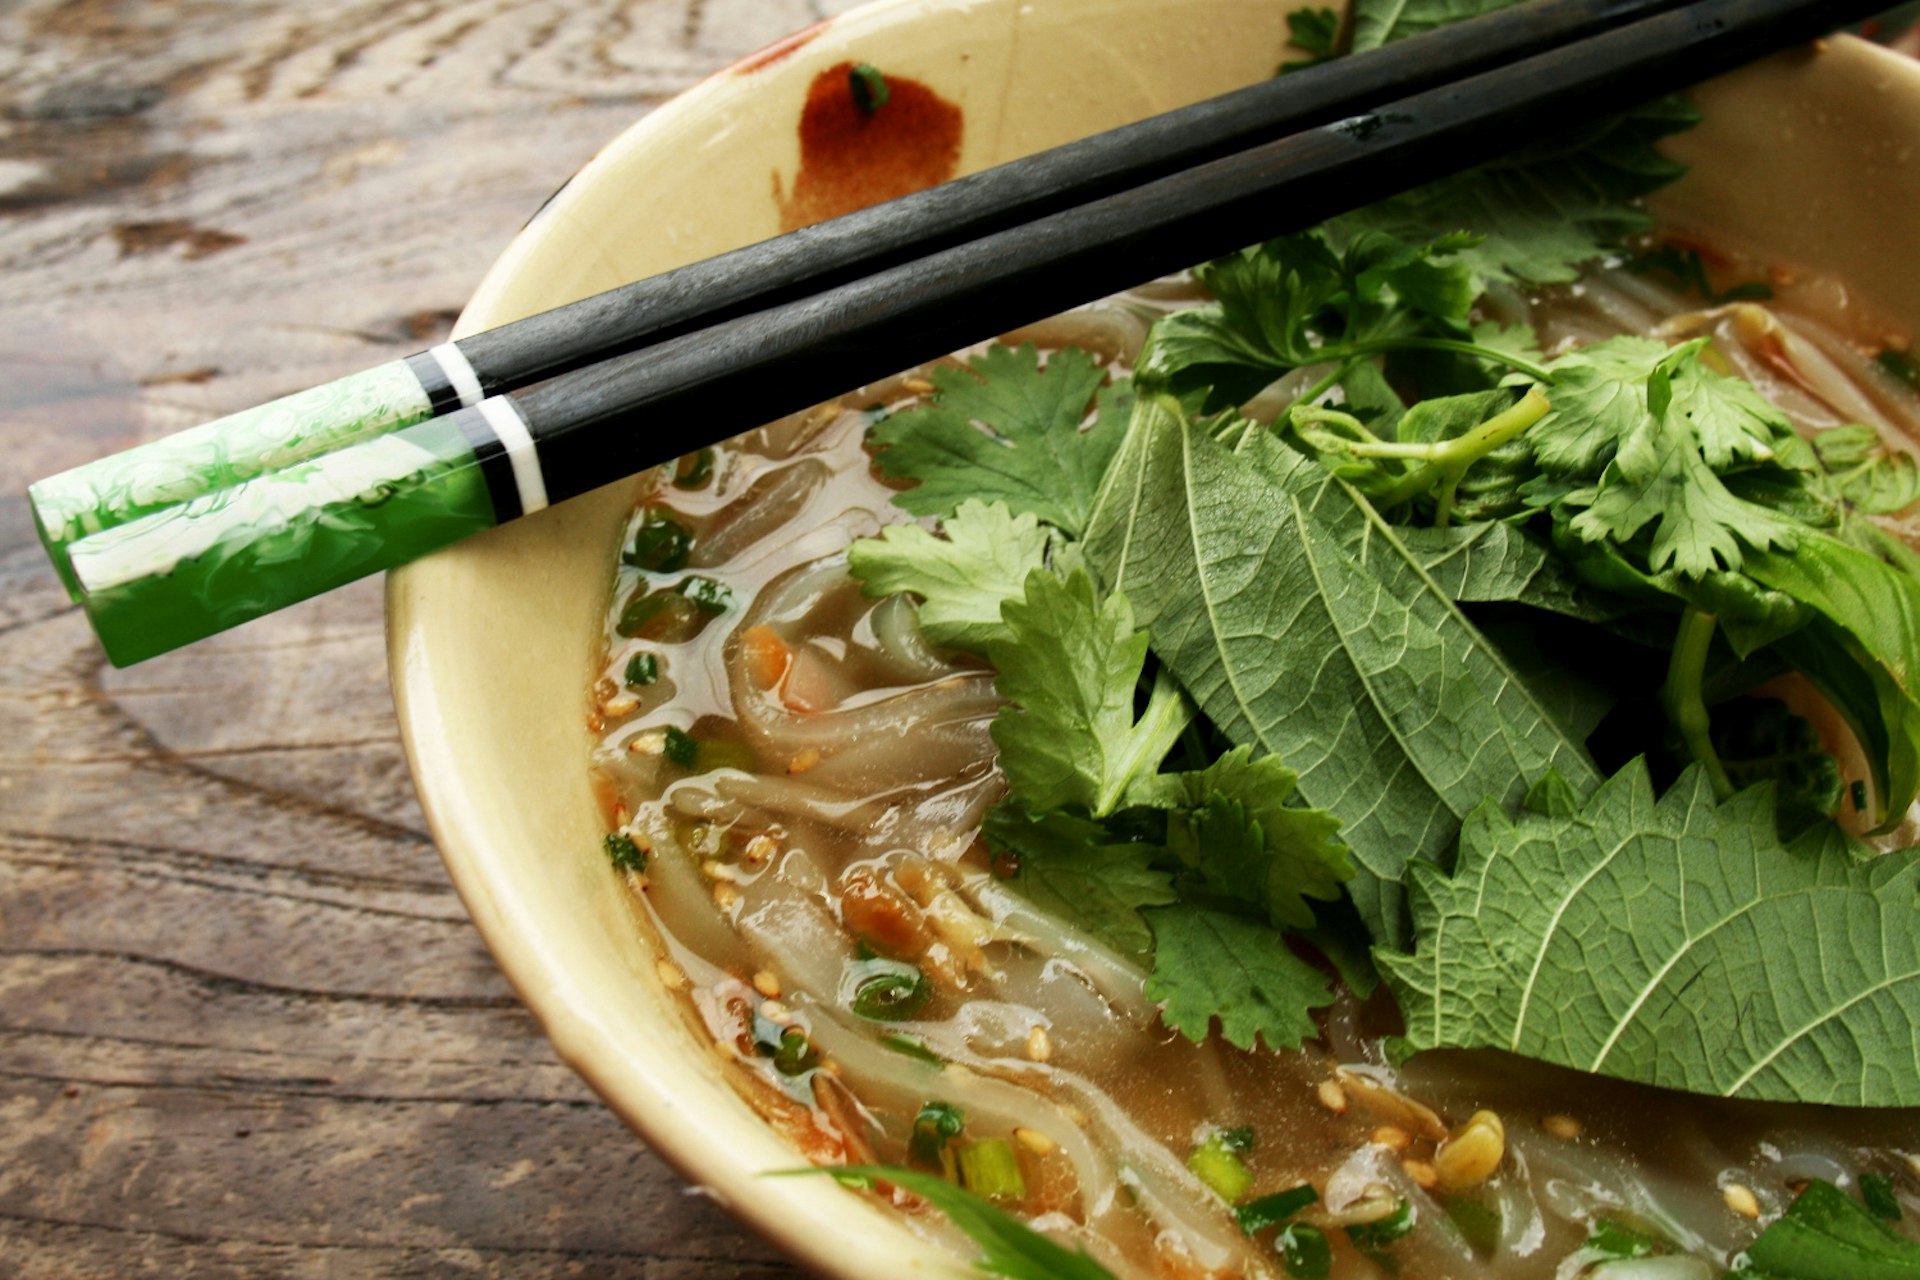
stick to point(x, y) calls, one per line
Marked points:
point(437, 481)
point(460, 373)
point(812, 259)
point(623, 414)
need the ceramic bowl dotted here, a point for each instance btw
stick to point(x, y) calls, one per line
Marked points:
point(1809, 159)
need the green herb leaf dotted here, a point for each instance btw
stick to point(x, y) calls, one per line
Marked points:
point(1877, 1193)
point(1641, 939)
point(961, 579)
point(1644, 433)
point(1544, 211)
point(1378, 22)
point(623, 853)
point(1073, 870)
point(1071, 665)
point(1355, 669)
point(1296, 300)
point(1234, 822)
point(1032, 455)
point(1316, 33)
point(1500, 563)
point(1008, 1246)
point(1208, 964)
point(1865, 473)
point(1861, 653)
point(1827, 1235)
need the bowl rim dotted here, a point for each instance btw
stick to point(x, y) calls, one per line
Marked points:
point(772, 1211)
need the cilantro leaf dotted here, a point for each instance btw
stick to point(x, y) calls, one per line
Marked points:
point(1643, 939)
point(1544, 211)
point(1828, 1235)
point(1070, 664)
point(1008, 1246)
point(1208, 964)
point(1032, 455)
point(1304, 628)
point(1232, 821)
point(961, 579)
point(1072, 868)
point(1297, 300)
point(1378, 22)
point(1637, 439)
point(1865, 473)
point(1314, 32)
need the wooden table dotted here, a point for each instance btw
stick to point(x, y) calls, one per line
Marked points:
point(245, 1026)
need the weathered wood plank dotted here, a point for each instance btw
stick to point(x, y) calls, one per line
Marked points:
point(245, 1027)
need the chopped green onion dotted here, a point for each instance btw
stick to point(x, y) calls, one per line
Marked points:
point(989, 1169)
point(710, 596)
point(1215, 1164)
point(1877, 1190)
point(660, 545)
point(884, 990)
point(680, 747)
point(870, 91)
point(1239, 1139)
point(642, 670)
point(1308, 1255)
point(1618, 1240)
point(937, 1124)
point(1267, 1211)
point(907, 1046)
point(1382, 1232)
point(796, 1054)
point(658, 615)
point(725, 753)
point(624, 853)
point(694, 469)
point(1478, 1221)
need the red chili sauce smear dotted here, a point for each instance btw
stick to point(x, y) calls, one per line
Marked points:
point(851, 158)
point(778, 49)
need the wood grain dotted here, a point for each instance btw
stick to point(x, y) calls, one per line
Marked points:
point(245, 1026)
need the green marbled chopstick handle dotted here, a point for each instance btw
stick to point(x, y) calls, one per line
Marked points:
point(217, 455)
point(179, 574)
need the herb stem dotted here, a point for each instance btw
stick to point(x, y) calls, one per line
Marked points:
point(1324, 385)
point(1379, 346)
point(1680, 696)
point(1447, 460)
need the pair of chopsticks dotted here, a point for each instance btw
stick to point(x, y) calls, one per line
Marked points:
point(186, 536)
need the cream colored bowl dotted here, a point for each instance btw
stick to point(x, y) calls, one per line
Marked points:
point(1811, 159)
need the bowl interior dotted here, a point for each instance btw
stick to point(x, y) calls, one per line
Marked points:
point(491, 642)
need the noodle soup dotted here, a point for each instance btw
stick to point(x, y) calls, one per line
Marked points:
point(804, 776)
